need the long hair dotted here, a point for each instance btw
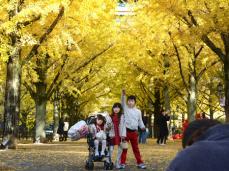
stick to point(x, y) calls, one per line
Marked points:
point(101, 117)
point(120, 107)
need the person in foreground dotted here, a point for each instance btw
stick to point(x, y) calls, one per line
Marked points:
point(206, 147)
point(133, 120)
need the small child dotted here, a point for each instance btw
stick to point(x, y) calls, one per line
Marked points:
point(133, 120)
point(100, 135)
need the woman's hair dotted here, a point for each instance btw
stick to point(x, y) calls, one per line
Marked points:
point(119, 106)
point(195, 129)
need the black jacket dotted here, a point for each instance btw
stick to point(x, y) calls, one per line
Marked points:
point(162, 121)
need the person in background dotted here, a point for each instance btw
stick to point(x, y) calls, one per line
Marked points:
point(204, 116)
point(198, 116)
point(66, 127)
point(143, 134)
point(133, 120)
point(60, 129)
point(163, 127)
point(184, 125)
point(208, 147)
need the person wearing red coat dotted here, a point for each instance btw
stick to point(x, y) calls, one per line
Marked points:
point(119, 130)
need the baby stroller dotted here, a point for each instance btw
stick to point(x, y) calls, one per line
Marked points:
point(108, 165)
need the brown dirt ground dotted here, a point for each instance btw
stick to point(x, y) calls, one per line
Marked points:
point(71, 156)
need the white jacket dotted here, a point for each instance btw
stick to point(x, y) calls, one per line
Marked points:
point(133, 116)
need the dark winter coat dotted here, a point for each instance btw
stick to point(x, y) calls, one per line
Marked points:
point(60, 129)
point(162, 124)
point(209, 153)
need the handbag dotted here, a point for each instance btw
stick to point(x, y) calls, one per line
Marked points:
point(124, 144)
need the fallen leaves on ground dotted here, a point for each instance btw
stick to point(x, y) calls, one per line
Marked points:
point(71, 156)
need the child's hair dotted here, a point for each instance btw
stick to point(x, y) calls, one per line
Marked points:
point(196, 129)
point(131, 97)
point(119, 106)
point(101, 117)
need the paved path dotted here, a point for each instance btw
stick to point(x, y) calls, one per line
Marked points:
point(71, 156)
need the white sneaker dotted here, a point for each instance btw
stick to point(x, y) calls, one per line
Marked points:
point(96, 153)
point(141, 166)
point(120, 166)
point(117, 165)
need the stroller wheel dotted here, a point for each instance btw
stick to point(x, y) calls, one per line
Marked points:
point(89, 165)
point(108, 166)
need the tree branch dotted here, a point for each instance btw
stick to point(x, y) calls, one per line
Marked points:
point(199, 51)
point(141, 69)
point(205, 69)
point(92, 58)
point(180, 67)
point(25, 23)
point(95, 85)
point(225, 38)
point(51, 88)
point(213, 47)
point(144, 89)
point(34, 49)
point(192, 18)
point(86, 101)
point(31, 91)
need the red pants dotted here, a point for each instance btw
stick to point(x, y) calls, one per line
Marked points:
point(133, 138)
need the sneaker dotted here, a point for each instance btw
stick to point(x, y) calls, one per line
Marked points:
point(141, 166)
point(117, 165)
point(121, 166)
point(96, 154)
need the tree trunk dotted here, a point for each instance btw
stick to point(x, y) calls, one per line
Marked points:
point(40, 102)
point(210, 100)
point(150, 111)
point(56, 115)
point(167, 98)
point(166, 88)
point(225, 59)
point(192, 98)
point(226, 83)
point(157, 108)
point(167, 105)
point(12, 95)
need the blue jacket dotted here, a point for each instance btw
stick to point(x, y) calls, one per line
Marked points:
point(209, 153)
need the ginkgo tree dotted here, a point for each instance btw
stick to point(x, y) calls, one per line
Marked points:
point(208, 21)
point(66, 52)
point(18, 46)
point(80, 54)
